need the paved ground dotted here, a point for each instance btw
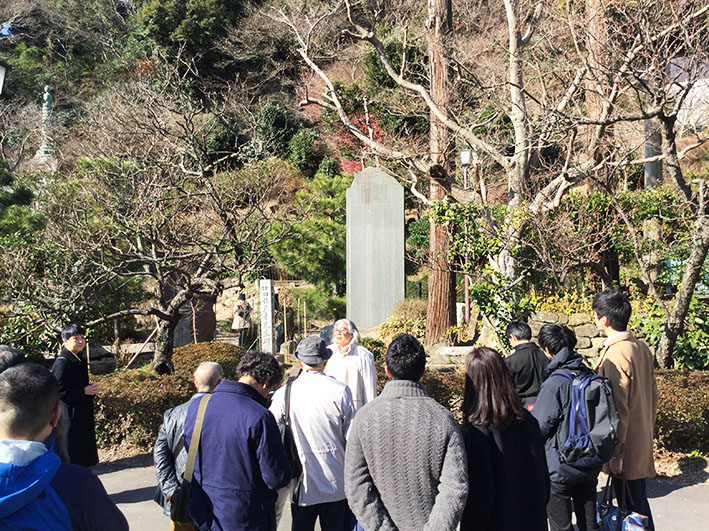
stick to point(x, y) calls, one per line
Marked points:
point(675, 505)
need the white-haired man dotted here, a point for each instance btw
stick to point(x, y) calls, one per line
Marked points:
point(352, 364)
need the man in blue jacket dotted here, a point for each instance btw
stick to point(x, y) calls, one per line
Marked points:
point(37, 490)
point(552, 412)
point(169, 452)
point(241, 461)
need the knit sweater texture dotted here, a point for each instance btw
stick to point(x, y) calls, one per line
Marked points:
point(405, 463)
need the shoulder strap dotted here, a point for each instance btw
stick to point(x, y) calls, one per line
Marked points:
point(565, 373)
point(196, 434)
point(288, 387)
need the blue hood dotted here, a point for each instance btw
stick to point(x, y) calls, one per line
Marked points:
point(20, 485)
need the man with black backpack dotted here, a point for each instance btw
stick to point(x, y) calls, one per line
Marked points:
point(571, 456)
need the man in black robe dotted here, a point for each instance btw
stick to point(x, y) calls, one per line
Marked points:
point(72, 374)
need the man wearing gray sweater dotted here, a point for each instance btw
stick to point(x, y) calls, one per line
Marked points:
point(405, 463)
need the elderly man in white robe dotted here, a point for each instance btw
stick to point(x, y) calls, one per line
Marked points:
point(352, 364)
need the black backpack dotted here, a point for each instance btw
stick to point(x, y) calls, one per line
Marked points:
point(592, 422)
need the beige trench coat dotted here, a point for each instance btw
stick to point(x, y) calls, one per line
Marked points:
point(628, 364)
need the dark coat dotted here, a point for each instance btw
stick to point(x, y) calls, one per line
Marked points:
point(72, 374)
point(552, 412)
point(508, 478)
point(240, 464)
point(169, 453)
point(527, 364)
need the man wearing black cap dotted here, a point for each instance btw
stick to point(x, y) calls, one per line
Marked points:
point(321, 411)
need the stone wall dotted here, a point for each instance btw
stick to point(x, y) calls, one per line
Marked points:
point(589, 345)
point(590, 340)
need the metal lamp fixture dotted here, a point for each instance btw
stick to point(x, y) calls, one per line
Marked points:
point(466, 156)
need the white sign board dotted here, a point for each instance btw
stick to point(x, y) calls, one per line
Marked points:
point(266, 303)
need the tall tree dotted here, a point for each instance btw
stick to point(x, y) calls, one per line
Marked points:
point(441, 280)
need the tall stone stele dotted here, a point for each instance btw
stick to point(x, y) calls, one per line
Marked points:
point(375, 247)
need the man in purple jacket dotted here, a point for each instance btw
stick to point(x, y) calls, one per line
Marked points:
point(241, 461)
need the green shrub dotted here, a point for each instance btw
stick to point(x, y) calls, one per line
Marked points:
point(683, 411)
point(320, 305)
point(329, 166)
point(409, 317)
point(301, 148)
point(375, 346)
point(131, 403)
point(275, 128)
point(692, 348)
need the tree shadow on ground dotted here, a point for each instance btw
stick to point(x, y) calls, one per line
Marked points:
point(133, 496)
point(693, 471)
point(134, 461)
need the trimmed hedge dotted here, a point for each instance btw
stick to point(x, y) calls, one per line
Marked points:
point(683, 411)
point(131, 403)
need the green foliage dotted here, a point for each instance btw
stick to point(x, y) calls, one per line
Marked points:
point(494, 122)
point(476, 236)
point(301, 148)
point(275, 128)
point(595, 213)
point(350, 96)
point(29, 69)
point(132, 402)
point(15, 215)
point(34, 337)
point(329, 166)
point(320, 305)
point(316, 252)
point(417, 242)
point(417, 289)
point(377, 76)
point(375, 346)
point(409, 317)
point(195, 24)
point(682, 415)
point(398, 123)
point(692, 348)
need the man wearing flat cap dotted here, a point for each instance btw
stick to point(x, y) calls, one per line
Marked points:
point(320, 414)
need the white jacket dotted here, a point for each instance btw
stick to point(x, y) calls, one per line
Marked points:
point(355, 370)
point(321, 411)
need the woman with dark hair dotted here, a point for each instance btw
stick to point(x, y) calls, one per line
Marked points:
point(507, 470)
point(75, 391)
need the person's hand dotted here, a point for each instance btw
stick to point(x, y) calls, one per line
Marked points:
point(616, 465)
point(91, 389)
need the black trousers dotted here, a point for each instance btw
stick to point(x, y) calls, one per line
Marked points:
point(637, 499)
point(583, 496)
point(334, 516)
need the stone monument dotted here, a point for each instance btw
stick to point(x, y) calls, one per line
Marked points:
point(375, 247)
point(266, 304)
point(44, 159)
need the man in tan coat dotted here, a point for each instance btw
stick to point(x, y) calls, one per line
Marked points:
point(628, 364)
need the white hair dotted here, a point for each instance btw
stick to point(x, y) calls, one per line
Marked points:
point(352, 329)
